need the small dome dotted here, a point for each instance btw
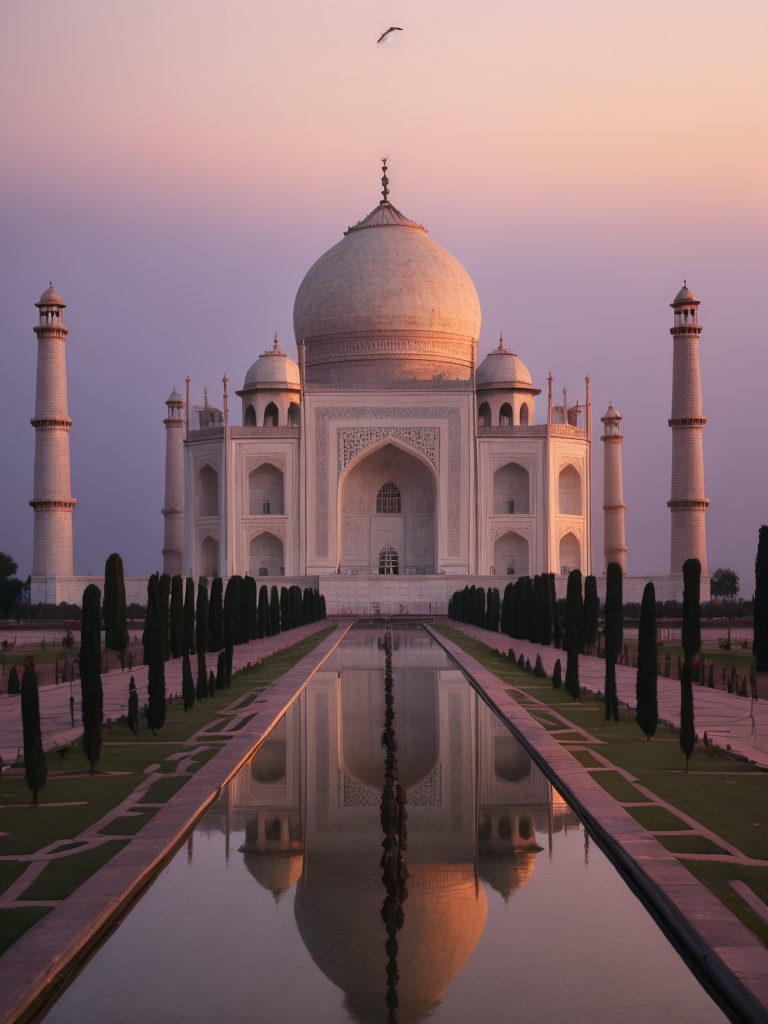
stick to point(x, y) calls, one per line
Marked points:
point(50, 297)
point(501, 366)
point(611, 413)
point(174, 397)
point(274, 367)
point(685, 296)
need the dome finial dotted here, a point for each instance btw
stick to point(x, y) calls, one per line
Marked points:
point(384, 181)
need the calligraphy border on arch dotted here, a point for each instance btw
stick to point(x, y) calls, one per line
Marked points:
point(351, 441)
point(325, 414)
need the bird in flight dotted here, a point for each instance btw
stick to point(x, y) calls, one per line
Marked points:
point(392, 28)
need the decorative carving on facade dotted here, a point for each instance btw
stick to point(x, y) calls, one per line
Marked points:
point(323, 417)
point(276, 528)
point(351, 441)
point(376, 382)
point(357, 794)
point(511, 525)
point(254, 461)
point(428, 793)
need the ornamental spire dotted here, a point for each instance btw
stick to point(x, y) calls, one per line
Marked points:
point(384, 182)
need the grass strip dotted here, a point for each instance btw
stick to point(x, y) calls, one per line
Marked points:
point(693, 843)
point(10, 870)
point(62, 876)
point(162, 790)
point(129, 826)
point(657, 819)
point(716, 875)
point(618, 787)
point(16, 920)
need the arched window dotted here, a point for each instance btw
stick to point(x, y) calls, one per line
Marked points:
point(249, 420)
point(294, 415)
point(524, 414)
point(266, 491)
point(208, 492)
point(510, 554)
point(570, 554)
point(570, 491)
point(511, 489)
point(505, 415)
point(388, 498)
point(209, 557)
point(271, 416)
point(388, 563)
point(484, 415)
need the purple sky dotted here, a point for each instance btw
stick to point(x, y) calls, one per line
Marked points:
point(176, 168)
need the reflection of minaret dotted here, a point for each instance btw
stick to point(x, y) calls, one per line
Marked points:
point(52, 501)
point(613, 492)
point(173, 508)
point(688, 504)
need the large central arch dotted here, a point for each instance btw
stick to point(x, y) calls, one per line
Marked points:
point(364, 532)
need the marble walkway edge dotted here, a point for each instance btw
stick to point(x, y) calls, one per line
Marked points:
point(729, 959)
point(49, 951)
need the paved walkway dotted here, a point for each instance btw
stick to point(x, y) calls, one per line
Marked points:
point(55, 716)
point(45, 952)
point(727, 718)
point(730, 957)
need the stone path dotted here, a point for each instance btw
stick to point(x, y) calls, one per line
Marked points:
point(55, 716)
point(728, 719)
point(45, 952)
point(722, 950)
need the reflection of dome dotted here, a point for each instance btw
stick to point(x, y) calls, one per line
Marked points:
point(343, 932)
point(505, 872)
point(387, 292)
point(501, 366)
point(511, 761)
point(273, 367)
point(275, 871)
point(268, 763)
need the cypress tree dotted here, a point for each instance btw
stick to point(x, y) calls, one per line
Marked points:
point(450, 607)
point(478, 607)
point(187, 683)
point(252, 601)
point(574, 619)
point(557, 632)
point(154, 655)
point(221, 671)
point(322, 607)
point(285, 609)
point(115, 620)
point(521, 608)
point(760, 613)
point(201, 638)
point(216, 615)
point(163, 599)
point(591, 611)
point(177, 616)
point(188, 635)
point(274, 612)
point(133, 708)
point(534, 609)
point(263, 612)
point(557, 676)
point(244, 632)
point(528, 665)
point(614, 635)
point(539, 668)
point(13, 680)
point(212, 683)
point(506, 609)
point(647, 704)
point(496, 617)
point(35, 764)
point(691, 646)
point(521, 662)
point(545, 610)
point(467, 601)
point(294, 593)
point(90, 674)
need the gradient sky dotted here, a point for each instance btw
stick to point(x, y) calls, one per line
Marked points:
point(176, 167)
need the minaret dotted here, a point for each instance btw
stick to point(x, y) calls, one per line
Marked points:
point(613, 491)
point(52, 501)
point(173, 510)
point(688, 503)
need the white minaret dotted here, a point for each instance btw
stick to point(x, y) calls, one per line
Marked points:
point(688, 503)
point(173, 510)
point(613, 490)
point(52, 501)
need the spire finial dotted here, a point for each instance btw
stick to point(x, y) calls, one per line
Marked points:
point(685, 282)
point(384, 181)
point(501, 342)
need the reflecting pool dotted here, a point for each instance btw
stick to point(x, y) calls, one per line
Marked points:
point(379, 869)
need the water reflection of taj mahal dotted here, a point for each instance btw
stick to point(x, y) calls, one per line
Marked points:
point(308, 803)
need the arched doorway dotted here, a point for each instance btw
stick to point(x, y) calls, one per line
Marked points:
point(570, 553)
point(266, 555)
point(209, 557)
point(266, 491)
point(569, 489)
point(511, 490)
point(510, 554)
point(388, 499)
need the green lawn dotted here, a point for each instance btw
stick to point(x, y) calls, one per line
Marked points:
point(33, 828)
point(732, 805)
point(61, 877)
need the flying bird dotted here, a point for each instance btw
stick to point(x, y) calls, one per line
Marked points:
point(392, 28)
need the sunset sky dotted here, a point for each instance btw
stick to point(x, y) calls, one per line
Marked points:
point(176, 167)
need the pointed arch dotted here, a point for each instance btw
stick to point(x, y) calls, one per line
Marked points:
point(266, 491)
point(207, 491)
point(569, 491)
point(484, 415)
point(389, 499)
point(524, 414)
point(209, 557)
point(266, 555)
point(271, 416)
point(249, 419)
point(570, 553)
point(511, 490)
point(510, 554)
point(505, 415)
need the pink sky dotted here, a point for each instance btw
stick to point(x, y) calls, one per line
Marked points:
point(175, 168)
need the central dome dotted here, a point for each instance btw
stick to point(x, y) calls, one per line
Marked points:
point(387, 303)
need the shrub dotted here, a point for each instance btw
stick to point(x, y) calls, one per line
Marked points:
point(557, 676)
point(35, 765)
point(539, 669)
point(90, 674)
point(13, 681)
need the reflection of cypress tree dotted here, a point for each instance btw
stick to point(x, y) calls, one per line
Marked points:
point(393, 823)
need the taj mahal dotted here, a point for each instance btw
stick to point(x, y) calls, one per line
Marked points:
point(392, 456)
